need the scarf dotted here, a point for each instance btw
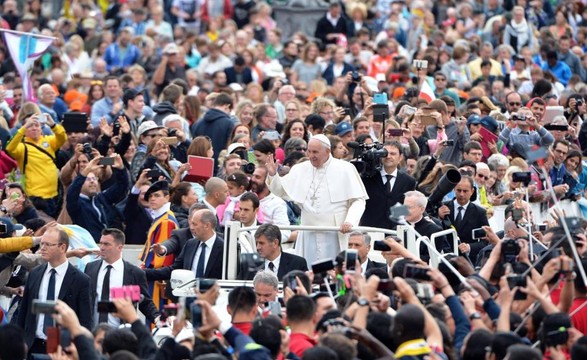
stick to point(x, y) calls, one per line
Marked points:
point(231, 208)
point(521, 30)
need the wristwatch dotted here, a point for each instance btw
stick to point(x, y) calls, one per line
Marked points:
point(3, 209)
point(475, 316)
point(363, 302)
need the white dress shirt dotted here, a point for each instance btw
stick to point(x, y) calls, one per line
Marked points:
point(274, 211)
point(456, 207)
point(116, 278)
point(209, 245)
point(60, 271)
point(393, 179)
point(209, 206)
point(275, 263)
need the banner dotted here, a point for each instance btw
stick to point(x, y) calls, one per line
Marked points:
point(24, 49)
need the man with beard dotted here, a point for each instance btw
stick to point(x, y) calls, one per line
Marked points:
point(274, 208)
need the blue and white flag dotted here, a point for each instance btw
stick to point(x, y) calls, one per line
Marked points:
point(24, 49)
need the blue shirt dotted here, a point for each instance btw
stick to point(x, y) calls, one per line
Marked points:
point(510, 137)
point(561, 71)
point(115, 60)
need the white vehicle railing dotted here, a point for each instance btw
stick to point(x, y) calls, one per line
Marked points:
point(234, 230)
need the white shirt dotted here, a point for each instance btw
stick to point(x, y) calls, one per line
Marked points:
point(274, 211)
point(384, 177)
point(364, 266)
point(209, 245)
point(209, 206)
point(60, 271)
point(275, 263)
point(116, 277)
point(456, 206)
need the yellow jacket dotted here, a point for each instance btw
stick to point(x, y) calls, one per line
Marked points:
point(41, 174)
point(15, 244)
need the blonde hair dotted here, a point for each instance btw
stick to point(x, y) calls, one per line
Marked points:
point(320, 103)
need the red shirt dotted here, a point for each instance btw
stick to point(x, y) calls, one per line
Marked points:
point(245, 327)
point(579, 319)
point(299, 343)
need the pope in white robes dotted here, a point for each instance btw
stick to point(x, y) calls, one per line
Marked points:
point(329, 191)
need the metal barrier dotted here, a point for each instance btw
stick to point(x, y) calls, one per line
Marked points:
point(233, 230)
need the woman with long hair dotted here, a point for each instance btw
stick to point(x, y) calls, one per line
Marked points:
point(292, 110)
point(307, 67)
point(191, 111)
point(182, 198)
point(95, 93)
point(158, 159)
point(245, 113)
point(254, 92)
point(295, 129)
point(17, 203)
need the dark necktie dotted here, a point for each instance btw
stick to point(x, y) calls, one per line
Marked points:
point(271, 266)
point(459, 216)
point(388, 183)
point(201, 260)
point(103, 317)
point(50, 296)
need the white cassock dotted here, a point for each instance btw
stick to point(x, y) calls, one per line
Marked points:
point(328, 196)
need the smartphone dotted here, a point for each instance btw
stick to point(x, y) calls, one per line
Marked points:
point(204, 285)
point(449, 143)
point(106, 307)
point(170, 140)
point(43, 307)
point(351, 257)
point(65, 338)
point(380, 98)
point(154, 174)
point(53, 339)
point(478, 233)
point(116, 128)
point(516, 280)
point(416, 273)
point(170, 309)
point(386, 285)
point(290, 282)
point(106, 161)
point(3, 229)
point(274, 308)
point(322, 266)
point(380, 245)
point(540, 227)
point(510, 249)
point(395, 132)
point(196, 311)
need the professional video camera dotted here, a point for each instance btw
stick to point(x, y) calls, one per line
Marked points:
point(447, 182)
point(368, 157)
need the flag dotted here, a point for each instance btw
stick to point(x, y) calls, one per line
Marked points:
point(80, 238)
point(426, 92)
point(24, 49)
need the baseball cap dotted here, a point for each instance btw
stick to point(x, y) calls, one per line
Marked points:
point(235, 146)
point(489, 123)
point(271, 135)
point(148, 126)
point(131, 94)
point(170, 49)
point(10, 227)
point(474, 119)
point(343, 128)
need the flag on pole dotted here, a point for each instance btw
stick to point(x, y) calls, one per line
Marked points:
point(24, 49)
point(426, 92)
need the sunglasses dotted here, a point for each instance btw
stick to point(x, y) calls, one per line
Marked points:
point(483, 176)
point(466, 172)
point(515, 104)
point(300, 148)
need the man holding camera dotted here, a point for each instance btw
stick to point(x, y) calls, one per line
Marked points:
point(523, 128)
point(330, 193)
point(386, 188)
point(454, 132)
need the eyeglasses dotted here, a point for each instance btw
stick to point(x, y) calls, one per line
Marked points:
point(300, 148)
point(43, 244)
point(294, 109)
point(515, 104)
point(465, 172)
point(483, 176)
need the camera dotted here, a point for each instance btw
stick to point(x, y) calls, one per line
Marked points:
point(356, 77)
point(43, 307)
point(449, 143)
point(171, 132)
point(580, 102)
point(248, 168)
point(368, 157)
point(420, 64)
point(250, 263)
point(510, 249)
point(322, 266)
point(416, 273)
point(478, 233)
point(88, 151)
point(518, 117)
point(380, 245)
point(522, 176)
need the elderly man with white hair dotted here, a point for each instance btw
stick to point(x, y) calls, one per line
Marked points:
point(416, 203)
point(330, 193)
point(178, 127)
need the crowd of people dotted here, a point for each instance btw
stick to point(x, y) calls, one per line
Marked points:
point(158, 123)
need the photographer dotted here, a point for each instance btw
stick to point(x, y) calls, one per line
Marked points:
point(386, 188)
point(523, 128)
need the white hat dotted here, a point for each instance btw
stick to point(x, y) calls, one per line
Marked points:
point(322, 138)
point(232, 147)
point(171, 48)
point(148, 126)
point(236, 87)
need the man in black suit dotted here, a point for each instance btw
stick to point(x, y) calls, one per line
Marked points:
point(362, 243)
point(202, 255)
point(332, 25)
point(113, 272)
point(239, 73)
point(386, 188)
point(268, 241)
point(136, 212)
point(465, 216)
point(55, 280)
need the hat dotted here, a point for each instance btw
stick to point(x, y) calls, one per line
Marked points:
point(235, 146)
point(236, 87)
point(273, 69)
point(488, 103)
point(128, 29)
point(157, 186)
point(322, 138)
point(171, 48)
point(271, 135)
point(10, 227)
point(474, 119)
point(517, 57)
point(148, 126)
point(343, 128)
point(489, 123)
point(89, 23)
point(131, 94)
point(28, 17)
